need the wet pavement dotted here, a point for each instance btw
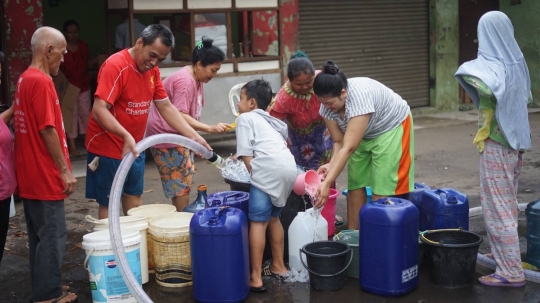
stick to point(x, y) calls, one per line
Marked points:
point(445, 157)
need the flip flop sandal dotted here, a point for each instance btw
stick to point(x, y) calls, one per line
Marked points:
point(504, 282)
point(266, 272)
point(258, 289)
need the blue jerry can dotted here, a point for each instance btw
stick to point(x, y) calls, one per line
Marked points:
point(389, 247)
point(219, 255)
point(444, 208)
point(533, 233)
point(237, 199)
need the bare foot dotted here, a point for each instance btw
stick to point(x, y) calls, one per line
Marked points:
point(67, 297)
point(279, 271)
point(256, 283)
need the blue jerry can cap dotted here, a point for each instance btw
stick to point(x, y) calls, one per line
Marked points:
point(451, 198)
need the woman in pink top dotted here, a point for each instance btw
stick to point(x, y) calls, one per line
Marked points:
point(7, 170)
point(185, 90)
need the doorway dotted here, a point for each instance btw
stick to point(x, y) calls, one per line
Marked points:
point(470, 12)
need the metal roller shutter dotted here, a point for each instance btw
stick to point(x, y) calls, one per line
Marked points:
point(387, 40)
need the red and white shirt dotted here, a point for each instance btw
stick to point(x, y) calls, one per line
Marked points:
point(36, 108)
point(130, 93)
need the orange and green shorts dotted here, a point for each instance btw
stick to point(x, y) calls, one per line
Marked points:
point(176, 166)
point(385, 163)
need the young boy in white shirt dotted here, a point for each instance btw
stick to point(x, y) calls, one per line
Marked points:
point(261, 143)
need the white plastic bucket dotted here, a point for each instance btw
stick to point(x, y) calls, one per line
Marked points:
point(12, 208)
point(172, 256)
point(106, 282)
point(149, 211)
point(135, 222)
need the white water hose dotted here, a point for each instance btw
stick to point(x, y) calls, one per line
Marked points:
point(114, 204)
point(530, 275)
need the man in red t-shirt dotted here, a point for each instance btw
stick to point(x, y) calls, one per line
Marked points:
point(128, 83)
point(43, 169)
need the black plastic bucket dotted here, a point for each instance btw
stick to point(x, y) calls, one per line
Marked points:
point(451, 256)
point(326, 263)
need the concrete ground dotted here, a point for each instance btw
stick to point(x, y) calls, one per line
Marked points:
point(445, 157)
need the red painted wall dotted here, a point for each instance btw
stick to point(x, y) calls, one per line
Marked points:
point(265, 33)
point(289, 32)
point(21, 19)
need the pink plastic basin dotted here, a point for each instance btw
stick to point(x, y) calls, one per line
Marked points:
point(329, 211)
point(309, 179)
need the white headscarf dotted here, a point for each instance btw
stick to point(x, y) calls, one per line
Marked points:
point(501, 66)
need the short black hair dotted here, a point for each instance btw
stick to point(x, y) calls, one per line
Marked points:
point(206, 53)
point(70, 22)
point(299, 64)
point(155, 31)
point(330, 81)
point(259, 90)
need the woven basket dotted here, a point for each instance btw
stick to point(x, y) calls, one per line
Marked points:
point(149, 211)
point(171, 250)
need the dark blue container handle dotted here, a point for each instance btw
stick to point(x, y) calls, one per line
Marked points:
point(442, 194)
point(214, 202)
point(327, 275)
point(445, 196)
point(235, 195)
point(220, 209)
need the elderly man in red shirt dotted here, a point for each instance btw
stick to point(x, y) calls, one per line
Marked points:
point(43, 169)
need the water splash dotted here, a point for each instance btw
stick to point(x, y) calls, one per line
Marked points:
point(318, 214)
point(235, 170)
point(295, 275)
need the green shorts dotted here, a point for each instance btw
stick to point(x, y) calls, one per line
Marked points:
point(385, 163)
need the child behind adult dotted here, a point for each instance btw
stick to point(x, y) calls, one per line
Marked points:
point(261, 143)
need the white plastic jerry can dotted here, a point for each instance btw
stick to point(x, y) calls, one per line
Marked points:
point(307, 227)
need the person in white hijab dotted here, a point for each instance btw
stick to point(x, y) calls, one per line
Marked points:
point(499, 85)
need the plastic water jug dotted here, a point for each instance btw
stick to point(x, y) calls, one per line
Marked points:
point(388, 247)
point(237, 199)
point(307, 227)
point(200, 202)
point(417, 195)
point(444, 208)
point(219, 255)
point(533, 233)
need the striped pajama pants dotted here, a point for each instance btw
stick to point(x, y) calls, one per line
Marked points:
point(500, 167)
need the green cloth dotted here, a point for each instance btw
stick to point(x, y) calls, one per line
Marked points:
point(487, 122)
point(385, 163)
